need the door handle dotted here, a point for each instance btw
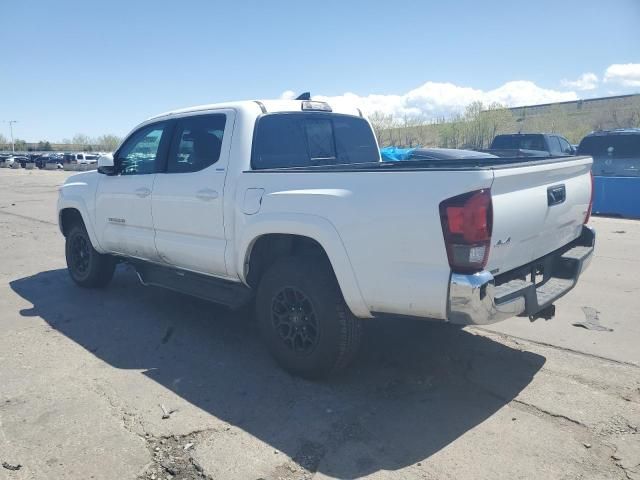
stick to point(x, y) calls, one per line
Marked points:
point(143, 192)
point(206, 194)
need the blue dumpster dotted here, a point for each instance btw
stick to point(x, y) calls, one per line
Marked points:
point(618, 196)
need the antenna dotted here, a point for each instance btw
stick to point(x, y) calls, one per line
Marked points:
point(304, 96)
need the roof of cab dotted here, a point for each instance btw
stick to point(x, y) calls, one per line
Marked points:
point(254, 106)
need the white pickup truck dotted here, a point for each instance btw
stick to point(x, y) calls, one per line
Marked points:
point(286, 205)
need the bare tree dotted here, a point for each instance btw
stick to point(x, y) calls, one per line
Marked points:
point(108, 142)
point(81, 139)
point(382, 125)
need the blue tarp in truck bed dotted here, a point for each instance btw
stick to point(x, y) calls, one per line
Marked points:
point(395, 154)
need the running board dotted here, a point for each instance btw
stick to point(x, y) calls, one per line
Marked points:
point(232, 294)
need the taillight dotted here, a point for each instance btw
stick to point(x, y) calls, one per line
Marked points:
point(467, 221)
point(588, 215)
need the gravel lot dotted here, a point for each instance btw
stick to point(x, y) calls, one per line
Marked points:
point(133, 382)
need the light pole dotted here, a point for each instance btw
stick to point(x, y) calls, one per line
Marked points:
point(11, 122)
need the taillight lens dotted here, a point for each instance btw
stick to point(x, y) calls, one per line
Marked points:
point(588, 215)
point(467, 221)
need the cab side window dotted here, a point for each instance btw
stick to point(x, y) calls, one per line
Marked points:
point(197, 143)
point(139, 154)
point(566, 147)
point(554, 145)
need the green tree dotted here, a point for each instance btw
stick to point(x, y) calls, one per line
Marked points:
point(451, 132)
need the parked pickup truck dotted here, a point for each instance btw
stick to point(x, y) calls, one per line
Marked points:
point(530, 145)
point(286, 205)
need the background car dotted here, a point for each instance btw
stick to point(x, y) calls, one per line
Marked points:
point(88, 159)
point(16, 161)
point(614, 152)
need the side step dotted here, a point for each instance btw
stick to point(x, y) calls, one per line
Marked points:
point(232, 294)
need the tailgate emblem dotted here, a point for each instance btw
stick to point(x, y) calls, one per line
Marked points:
point(556, 195)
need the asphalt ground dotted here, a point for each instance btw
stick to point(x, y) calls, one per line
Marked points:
point(134, 382)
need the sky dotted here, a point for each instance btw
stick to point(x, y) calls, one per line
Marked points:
point(77, 66)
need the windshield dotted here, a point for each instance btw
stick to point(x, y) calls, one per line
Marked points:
point(519, 142)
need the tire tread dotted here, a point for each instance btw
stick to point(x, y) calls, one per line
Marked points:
point(349, 328)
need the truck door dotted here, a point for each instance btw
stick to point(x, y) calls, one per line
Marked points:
point(187, 198)
point(123, 200)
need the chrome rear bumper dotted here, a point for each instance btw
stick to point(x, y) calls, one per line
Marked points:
point(481, 299)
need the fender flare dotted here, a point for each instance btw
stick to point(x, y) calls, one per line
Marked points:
point(76, 202)
point(312, 226)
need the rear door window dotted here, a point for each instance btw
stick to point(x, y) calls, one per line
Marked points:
point(615, 146)
point(613, 155)
point(311, 139)
point(197, 143)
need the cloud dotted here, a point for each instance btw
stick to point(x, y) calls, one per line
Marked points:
point(435, 99)
point(288, 95)
point(625, 74)
point(586, 81)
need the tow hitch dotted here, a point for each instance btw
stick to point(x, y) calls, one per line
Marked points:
point(546, 313)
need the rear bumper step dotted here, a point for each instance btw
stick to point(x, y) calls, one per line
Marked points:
point(480, 299)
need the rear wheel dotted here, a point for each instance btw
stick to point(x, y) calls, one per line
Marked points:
point(85, 265)
point(303, 318)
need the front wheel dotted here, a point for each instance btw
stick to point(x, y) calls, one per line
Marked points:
point(85, 265)
point(303, 317)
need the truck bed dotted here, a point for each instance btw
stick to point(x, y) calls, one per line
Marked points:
point(387, 217)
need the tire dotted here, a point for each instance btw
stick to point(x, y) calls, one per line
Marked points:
point(304, 319)
point(86, 267)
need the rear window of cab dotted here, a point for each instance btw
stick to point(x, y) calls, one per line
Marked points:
point(286, 140)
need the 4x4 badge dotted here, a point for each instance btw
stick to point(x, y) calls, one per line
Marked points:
point(503, 242)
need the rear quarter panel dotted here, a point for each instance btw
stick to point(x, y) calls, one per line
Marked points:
point(387, 223)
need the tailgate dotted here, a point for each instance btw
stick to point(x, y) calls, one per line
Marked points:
point(537, 208)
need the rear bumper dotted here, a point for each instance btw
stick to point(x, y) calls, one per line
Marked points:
point(481, 298)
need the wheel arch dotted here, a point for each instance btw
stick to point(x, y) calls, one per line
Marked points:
point(265, 241)
point(73, 212)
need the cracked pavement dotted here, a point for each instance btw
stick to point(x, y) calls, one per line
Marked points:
point(87, 376)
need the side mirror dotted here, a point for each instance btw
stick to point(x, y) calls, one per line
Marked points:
point(106, 164)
